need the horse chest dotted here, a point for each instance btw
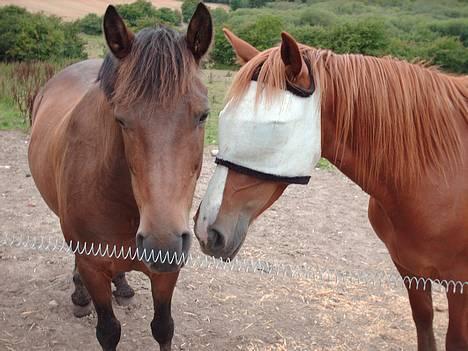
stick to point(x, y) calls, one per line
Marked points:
point(409, 247)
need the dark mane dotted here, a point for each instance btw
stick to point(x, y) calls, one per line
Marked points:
point(159, 68)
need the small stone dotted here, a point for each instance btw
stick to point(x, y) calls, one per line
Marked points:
point(214, 152)
point(53, 303)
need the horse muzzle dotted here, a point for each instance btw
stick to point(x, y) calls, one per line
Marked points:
point(163, 258)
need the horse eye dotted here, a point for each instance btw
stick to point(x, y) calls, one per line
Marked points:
point(203, 117)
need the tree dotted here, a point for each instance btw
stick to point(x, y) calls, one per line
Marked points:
point(21, 32)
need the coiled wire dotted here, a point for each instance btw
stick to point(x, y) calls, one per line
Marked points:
point(243, 265)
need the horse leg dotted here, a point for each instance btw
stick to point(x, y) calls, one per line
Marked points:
point(123, 292)
point(162, 325)
point(457, 334)
point(98, 283)
point(80, 297)
point(423, 313)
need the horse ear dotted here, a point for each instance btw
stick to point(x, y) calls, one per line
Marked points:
point(200, 32)
point(244, 51)
point(291, 55)
point(118, 37)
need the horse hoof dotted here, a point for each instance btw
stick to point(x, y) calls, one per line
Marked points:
point(82, 311)
point(124, 291)
point(165, 347)
point(124, 301)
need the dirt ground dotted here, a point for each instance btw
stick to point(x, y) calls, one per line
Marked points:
point(73, 9)
point(323, 224)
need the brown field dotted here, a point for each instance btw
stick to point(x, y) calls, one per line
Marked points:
point(72, 9)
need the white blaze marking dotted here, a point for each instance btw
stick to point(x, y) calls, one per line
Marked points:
point(209, 207)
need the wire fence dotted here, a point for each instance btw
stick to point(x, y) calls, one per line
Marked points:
point(241, 265)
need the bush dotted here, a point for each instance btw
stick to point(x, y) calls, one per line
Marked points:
point(264, 33)
point(135, 11)
point(220, 16)
point(448, 53)
point(426, 29)
point(316, 17)
point(90, 24)
point(188, 9)
point(141, 14)
point(314, 36)
point(222, 52)
point(168, 16)
point(27, 37)
point(27, 79)
point(455, 28)
point(364, 37)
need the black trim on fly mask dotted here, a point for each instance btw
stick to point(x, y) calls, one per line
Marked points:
point(265, 176)
point(290, 86)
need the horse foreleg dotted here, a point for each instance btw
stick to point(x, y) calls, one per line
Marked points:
point(457, 334)
point(98, 282)
point(80, 297)
point(423, 313)
point(123, 292)
point(162, 325)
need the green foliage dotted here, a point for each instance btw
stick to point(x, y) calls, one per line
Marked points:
point(168, 16)
point(188, 9)
point(316, 17)
point(366, 37)
point(222, 52)
point(264, 33)
point(25, 37)
point(432, 30)
point(135, 11)
point(237, 4)
point(456, 28)
point(141, 14)
point(90, 24)
point(219, 15)
point(449, 53)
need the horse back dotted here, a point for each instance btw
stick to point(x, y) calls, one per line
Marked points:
point(52, 109)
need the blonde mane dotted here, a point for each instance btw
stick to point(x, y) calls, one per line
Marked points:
point(398, 118)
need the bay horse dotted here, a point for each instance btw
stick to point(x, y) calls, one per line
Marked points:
point(398, 130)
point(116, 149)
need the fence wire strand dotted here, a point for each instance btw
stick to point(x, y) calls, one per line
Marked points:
point(240, 265)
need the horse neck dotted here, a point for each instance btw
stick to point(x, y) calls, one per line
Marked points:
point(94, 121)
point(343, 157)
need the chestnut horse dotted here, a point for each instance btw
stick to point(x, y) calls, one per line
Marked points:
point(399, 131)
point(116, 149)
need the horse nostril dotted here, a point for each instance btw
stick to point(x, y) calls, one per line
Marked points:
point(216, 240)
point(139, 240)
point(186, 241)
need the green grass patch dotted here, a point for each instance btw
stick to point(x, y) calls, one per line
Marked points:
point(217, 82)
point(325, 164)
point(10, 117)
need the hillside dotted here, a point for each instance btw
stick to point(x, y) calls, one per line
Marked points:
point(72, 9)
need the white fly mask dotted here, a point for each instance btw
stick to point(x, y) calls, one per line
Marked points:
point(272, 140)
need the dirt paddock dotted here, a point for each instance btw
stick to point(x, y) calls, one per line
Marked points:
point(323, 224)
